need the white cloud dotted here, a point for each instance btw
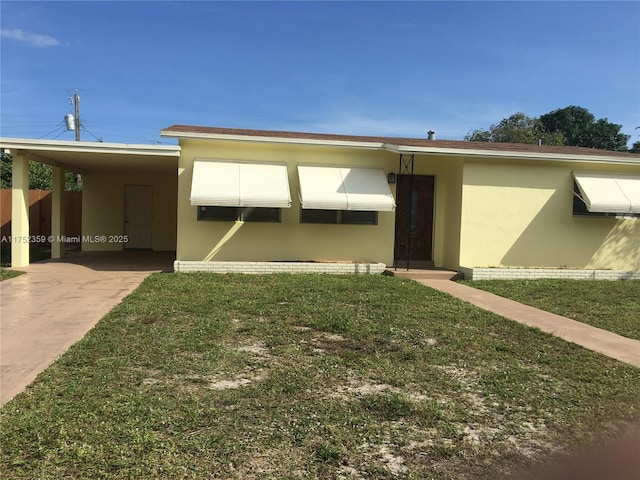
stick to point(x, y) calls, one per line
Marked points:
point(32, 39)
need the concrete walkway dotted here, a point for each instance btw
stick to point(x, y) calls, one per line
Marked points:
point(602, 341)
point(52, 306)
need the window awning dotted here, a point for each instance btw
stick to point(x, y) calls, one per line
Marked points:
point(609, 192)
point(239, 184)
point(344, 188)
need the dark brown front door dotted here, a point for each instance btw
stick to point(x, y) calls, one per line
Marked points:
point(414, 218)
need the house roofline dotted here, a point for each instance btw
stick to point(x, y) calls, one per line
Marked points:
point(89, 147)
point(408, 145)
point(274, 139)
point(553, 157)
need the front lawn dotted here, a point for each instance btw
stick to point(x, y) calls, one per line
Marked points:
point(308, 376)
point(610, 305)
point(5, 274)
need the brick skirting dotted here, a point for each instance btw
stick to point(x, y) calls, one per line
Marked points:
point(532, 273)
point(278, 267)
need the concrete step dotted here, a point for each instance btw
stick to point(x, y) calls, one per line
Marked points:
point(414, 264)
point(421, 274)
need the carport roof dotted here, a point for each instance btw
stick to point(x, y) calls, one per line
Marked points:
point(83, 157)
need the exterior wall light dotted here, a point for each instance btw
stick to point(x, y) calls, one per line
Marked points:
point(391, 178)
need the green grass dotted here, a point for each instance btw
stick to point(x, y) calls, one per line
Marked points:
point(5, 274)
point(610, 305)
point(308, 376)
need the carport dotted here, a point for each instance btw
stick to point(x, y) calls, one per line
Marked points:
point(130, 194)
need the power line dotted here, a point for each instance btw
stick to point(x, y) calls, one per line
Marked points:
point(53, 131)
point(63, 131)
point(89, 132)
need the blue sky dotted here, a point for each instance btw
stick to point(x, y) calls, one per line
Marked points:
point(367, 68)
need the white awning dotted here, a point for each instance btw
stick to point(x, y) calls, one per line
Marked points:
point(609, 192)
point(344, 188)
point(239, 184)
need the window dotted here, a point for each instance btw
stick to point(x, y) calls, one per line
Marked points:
point(601, 194)
point(580, 208)
point(245, 214)
point(344, 217)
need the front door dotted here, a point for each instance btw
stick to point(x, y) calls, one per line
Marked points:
point(138, 220)
point(414, 220)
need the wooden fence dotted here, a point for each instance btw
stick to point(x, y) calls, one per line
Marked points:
point(40, 213)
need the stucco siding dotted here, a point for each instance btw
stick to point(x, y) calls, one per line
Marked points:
point(288, 240)
point(103, 208)
point(519, 214)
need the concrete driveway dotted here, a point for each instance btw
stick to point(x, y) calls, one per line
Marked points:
point(52, 306)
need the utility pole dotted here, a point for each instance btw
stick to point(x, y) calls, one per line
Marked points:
point(76, 103)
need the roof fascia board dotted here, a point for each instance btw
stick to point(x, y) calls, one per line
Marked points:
point(557, 157)
point(286, 140)
point(89, 147)
point(405, 149)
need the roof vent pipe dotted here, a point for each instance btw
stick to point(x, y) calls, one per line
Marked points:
point(431, 135)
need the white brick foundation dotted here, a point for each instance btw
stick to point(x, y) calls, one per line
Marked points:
point(532, 273)
point(278, 267)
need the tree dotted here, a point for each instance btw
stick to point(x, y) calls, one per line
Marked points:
point(5, 170)
point(518, 128)
point(580, 128)
point(40, 176)
point(635, 147)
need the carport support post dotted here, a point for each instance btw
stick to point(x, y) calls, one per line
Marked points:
point(19, 211)
point(57, 213)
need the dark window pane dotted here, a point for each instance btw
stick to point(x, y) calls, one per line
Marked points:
point(318, 216)
point(218, 213)
point(358, 217)
point(259, 214)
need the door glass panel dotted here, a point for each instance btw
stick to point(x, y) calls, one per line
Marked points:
point(413, 222)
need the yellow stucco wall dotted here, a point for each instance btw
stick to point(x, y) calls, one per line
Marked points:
point(289, 240)
point(519, 213)
point(103, 208)
point(487, 213)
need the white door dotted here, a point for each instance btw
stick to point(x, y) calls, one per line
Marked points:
point(138, 219)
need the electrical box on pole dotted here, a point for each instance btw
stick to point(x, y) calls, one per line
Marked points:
point(70, 122)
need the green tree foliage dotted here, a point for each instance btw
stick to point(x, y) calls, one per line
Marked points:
point(5, 170)
point(580, 128)
point(635, 148)
point(40, 176)
point(572, 125)
point(72, 182)
point(518, 128)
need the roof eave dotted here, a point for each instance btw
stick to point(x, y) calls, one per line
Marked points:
point(273, 139)
point(557, 157)
point(90, 147)
point(403, 149)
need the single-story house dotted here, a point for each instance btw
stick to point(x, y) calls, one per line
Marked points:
point(258, 200)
